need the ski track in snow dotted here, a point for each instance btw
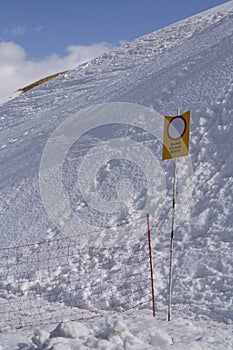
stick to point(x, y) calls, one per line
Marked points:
point(186, 65)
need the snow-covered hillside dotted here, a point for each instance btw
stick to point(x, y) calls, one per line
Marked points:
point(94, 134)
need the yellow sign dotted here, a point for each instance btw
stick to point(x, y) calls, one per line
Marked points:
point(176, 136)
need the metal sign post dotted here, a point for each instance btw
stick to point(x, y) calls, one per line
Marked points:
point(175, 144)
point(172, 241)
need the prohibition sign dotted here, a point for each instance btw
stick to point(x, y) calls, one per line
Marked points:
point(176, 128)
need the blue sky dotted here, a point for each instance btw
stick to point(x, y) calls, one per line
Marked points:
point(50, 26)
point(41, 37)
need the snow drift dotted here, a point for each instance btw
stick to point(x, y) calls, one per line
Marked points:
point(186, 65)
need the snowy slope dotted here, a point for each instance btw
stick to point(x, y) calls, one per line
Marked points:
point(186, 65)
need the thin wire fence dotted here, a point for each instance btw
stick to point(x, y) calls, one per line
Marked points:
point(61, 279)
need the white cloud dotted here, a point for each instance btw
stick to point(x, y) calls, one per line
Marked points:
point(17, 71)
point(16, 31)
point(38, 29)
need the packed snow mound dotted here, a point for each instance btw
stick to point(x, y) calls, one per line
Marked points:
point(121, 333)
point(186, 65)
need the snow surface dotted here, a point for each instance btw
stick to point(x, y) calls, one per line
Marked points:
point(186, 65)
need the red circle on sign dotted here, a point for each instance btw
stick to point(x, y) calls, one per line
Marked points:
point(176, 128)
